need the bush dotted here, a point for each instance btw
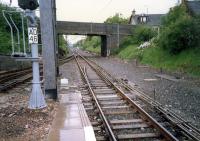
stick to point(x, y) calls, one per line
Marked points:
point(180, 31)
point(5, 38)
point(175, 13)
point(62, 47)
point(183, 34)
point(117, 19)
point(143, 34)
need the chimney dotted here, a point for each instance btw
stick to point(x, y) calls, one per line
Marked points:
point(132, 19)
point(133, 12)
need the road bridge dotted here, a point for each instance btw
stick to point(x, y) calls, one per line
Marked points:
point(111, 34)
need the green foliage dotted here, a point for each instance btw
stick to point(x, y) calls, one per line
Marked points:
point(130, 52)
point(91, 44)
point(117, 19)
point(180, 31)
point(176, 49)
point(5, 38)
point(188, 61)
point(62, 48)
point(140, 34)
point(143, 34)
point(175, 13)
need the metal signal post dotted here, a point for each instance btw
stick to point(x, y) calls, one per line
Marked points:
point(37, 100)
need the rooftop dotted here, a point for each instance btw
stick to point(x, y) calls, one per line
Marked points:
point(194, 6)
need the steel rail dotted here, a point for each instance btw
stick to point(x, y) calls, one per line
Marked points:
point(169, 114)
point(156, 125)
point(14, 75)
point(173, 118)
point(112, 135)
point(65, 60)
point(12, 71)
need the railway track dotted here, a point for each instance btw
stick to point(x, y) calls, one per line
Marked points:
point(65, 60)
point(119, 112)
point(9, 79)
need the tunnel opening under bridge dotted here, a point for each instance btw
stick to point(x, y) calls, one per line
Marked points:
point(92, 43)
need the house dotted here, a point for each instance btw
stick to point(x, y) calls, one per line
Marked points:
point(193, 7)
point(153, 20)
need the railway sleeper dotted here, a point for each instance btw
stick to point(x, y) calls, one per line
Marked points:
point(126, 121)
point(109, 96)
point(147, 136)
point(101, 138)
point(110, 103)
point(130, 126)
point(109, 99)
point(122, 112)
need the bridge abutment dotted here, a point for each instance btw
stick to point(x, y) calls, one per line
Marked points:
point(103, 46)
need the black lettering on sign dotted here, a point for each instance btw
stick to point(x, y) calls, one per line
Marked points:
point(32, 35)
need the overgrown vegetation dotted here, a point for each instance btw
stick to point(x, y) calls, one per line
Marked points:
point(62, 47)
point(176, 48)
point(140, 34)
point(117, 19)
point(5, 38)
point(91, 44)
point(180, 31)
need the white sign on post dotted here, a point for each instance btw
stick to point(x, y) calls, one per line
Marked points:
point(32, 35)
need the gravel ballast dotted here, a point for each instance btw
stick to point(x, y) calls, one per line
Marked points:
point(183, 96)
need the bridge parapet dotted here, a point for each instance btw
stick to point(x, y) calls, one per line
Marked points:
point(86, 28)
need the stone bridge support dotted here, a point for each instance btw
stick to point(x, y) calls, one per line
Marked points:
point(109, 43)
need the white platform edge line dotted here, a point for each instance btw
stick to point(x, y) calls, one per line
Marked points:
point(89, 133)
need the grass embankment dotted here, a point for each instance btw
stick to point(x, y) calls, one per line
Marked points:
point(188, 61)
point(96, 50)
point(176, 48)
point(91, 44)
point(63, 47)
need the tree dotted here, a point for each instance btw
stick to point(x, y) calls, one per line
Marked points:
point(62, 47)
point(117, 19)
point(179, 31)
point(143, 34)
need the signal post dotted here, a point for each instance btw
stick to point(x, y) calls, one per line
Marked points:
point(36, 100)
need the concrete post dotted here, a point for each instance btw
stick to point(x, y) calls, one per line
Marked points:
point(47, 24)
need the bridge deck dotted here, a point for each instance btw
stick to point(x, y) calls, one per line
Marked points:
point(85, 28)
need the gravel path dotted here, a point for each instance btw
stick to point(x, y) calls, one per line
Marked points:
point(17, 122)
point(182, 96)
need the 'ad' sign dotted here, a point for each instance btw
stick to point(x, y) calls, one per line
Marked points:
point(32, 35)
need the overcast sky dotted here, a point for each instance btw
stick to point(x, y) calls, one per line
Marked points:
point(100, 10)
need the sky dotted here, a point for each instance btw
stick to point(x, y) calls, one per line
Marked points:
point(100, 10)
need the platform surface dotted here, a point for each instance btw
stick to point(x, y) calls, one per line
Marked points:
point(71, 122)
